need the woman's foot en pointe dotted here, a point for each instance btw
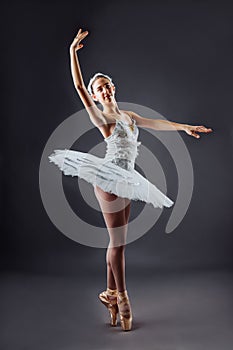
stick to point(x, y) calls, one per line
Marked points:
point(125, 312)
point(109, 299)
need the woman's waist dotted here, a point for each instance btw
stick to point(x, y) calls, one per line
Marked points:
point(129, 156)
point(124, 163)
point(129, 153)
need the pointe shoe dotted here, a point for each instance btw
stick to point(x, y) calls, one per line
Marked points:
point(109, 299)
point(125, 312)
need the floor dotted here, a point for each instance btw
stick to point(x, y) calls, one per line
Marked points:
point(172, 311)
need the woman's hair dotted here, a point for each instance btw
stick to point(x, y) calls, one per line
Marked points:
point(94, 78)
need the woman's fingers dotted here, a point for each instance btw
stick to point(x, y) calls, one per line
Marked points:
point(84, 34)
point(192, 130)
point(80, 33)
point(202, 128)
point(195, 135)
point(80, 37)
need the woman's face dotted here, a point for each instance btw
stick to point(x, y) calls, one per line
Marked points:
point(103, 90)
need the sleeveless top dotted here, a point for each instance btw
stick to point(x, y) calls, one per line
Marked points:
point(122, 144)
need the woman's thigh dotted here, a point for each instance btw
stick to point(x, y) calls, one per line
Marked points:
point(112, 205)
point(115, 212)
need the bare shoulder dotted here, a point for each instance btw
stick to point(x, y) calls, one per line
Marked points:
point(128, 113)
point(132, 114)
point(138, 118)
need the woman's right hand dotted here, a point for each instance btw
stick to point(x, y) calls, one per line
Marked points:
point(76, 44)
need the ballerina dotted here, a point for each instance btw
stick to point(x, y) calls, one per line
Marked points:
point(114, 178)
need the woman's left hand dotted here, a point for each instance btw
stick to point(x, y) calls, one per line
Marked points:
point(192, 130)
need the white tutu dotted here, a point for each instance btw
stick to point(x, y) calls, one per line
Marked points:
point(115, 173)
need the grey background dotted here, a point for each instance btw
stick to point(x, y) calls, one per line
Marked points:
point(174, 57)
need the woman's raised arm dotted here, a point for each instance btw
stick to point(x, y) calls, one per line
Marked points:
point(94, 112)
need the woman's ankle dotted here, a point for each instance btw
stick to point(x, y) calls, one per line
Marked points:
point(121, 292)
point(111, 292)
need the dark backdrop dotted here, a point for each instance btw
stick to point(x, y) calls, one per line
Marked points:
point(172, 56)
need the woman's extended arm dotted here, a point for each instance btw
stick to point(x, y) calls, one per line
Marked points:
point(159, 124)
point(93, 111)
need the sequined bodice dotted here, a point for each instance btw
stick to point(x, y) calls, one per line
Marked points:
point(122, 144)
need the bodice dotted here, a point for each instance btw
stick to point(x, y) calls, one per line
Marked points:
point(122, 144)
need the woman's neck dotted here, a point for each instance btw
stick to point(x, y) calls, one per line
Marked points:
point(111, 109)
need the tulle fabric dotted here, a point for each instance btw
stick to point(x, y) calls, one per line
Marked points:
point(115, 172)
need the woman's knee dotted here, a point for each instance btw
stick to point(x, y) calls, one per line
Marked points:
point(119, 250)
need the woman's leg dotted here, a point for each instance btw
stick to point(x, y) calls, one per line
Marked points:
point(116, 214)
point(110, 277)
point(127, 210)
point(111, 284)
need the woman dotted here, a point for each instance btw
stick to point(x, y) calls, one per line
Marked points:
point(114, 179)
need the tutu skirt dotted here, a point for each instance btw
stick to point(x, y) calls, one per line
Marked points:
point(110, 177)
